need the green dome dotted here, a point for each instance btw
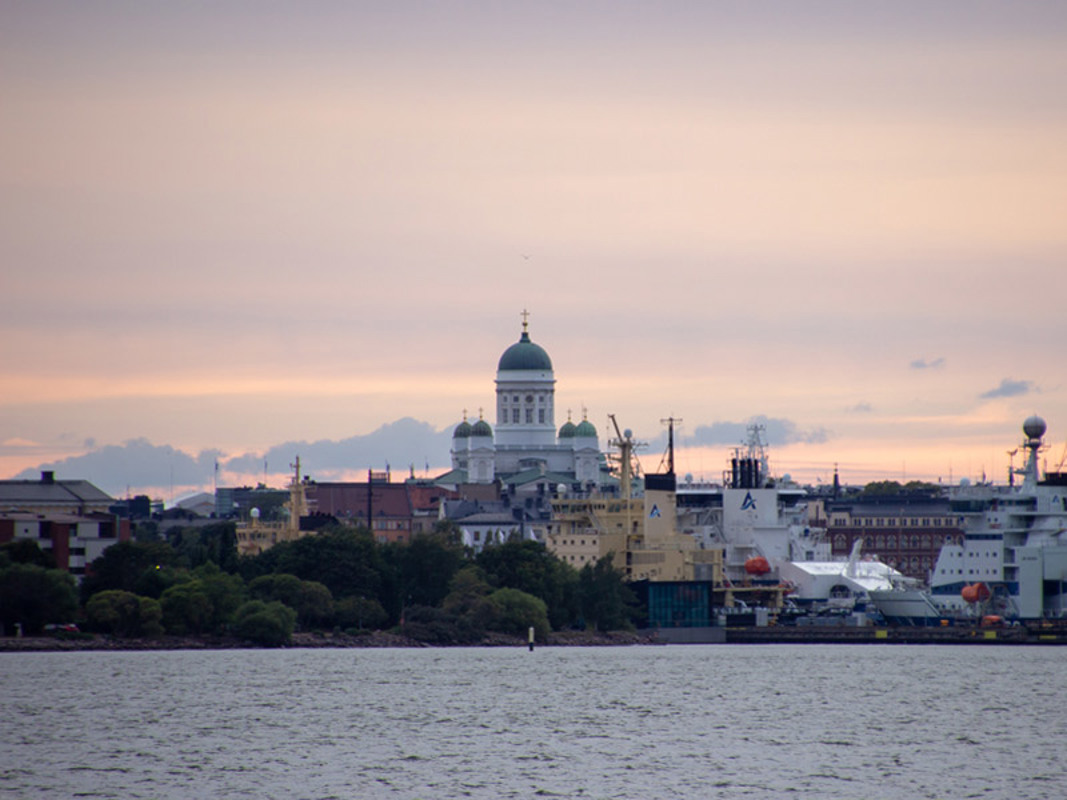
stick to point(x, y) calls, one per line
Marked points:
point(567, 431)
point(462, 431)
point(585, 428)
point(481, 428)
point(525, 355)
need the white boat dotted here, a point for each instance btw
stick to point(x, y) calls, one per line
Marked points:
point(1012, 561)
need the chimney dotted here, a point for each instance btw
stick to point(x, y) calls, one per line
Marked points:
point(48, 476)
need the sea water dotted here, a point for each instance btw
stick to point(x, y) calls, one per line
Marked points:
point(829, 721)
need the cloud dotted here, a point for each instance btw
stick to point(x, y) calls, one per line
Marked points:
point(922, 363)
point(400, 444)
point(860, 408)
point(777, 432)
point(135, 463)
point(1009, 388)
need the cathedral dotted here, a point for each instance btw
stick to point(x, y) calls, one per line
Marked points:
point(525, 438)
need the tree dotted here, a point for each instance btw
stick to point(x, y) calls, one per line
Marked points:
point(226, 593)
point(311, 600)
point(265, 623)
point(215, 543)
point(34, 596)
point(187, 609)
point(518, 612)
point(346, 561)
point(27, 551)
point(878, 488)
point(361, 613)
point(122, 564)
point(469, 598)
point(124, 614)
point(424, 567)
point(529, 567)
point(607, 603)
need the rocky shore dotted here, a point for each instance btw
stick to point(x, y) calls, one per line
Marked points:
point(309, 640)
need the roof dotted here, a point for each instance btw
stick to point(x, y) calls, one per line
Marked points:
point(585, 428)
point(481, 428)
point(525, 355)
point(495, 518)
point(50, 492)
point(535, 475)
point(454, 477)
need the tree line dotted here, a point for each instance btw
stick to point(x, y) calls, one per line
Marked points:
point(194, 583)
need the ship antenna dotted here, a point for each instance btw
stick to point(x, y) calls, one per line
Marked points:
point(669, 455)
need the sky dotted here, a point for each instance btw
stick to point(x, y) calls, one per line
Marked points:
point(231, 231)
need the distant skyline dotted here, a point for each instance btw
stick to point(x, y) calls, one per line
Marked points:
point(227, 228)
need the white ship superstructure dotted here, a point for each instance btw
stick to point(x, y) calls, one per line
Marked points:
point(762, 525)
point(1013, 558)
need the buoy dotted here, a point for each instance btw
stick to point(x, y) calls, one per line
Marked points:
point(531, 638)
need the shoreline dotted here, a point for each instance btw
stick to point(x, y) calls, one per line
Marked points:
point(371, 640)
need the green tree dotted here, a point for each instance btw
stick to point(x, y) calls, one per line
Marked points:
point(311, 600)
point(469, 598)
point(187, 609)
point(518, 612)
point(607, 602)
point(35, 596)
point(529, 567)
point(361, 613)
point(345, 560)
point(265, 623)
point(122, 564)
point(124, 614)
point(226, 593)
point(424, 567)
point(157, 579)
point(216, 543)
point(879, 488)
point(283, 588)
point(146, 530)
point(27, 551)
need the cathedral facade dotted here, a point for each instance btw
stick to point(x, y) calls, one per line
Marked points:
point(525, 438)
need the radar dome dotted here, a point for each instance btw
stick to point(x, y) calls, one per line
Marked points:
point(1034, 427)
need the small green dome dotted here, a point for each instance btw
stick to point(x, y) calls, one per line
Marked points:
point(525, 355)
point(462, 431)
point(585, 428)
point(567, 431)
point(481, 428)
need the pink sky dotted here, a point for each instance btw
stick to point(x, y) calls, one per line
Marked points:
point(238, 225)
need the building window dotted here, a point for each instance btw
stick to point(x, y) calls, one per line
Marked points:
point(529, 416)
point(541, 416)
point(515, 415)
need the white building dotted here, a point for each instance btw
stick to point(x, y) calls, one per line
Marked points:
point(525, 439)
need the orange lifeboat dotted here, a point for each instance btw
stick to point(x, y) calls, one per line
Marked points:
point(975, 593)
point(757, 565)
